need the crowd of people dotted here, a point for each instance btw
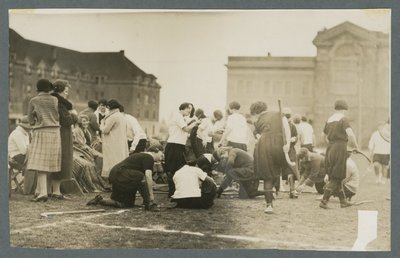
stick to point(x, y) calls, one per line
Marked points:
point(105, 149)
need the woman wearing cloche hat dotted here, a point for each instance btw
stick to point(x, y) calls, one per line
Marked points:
point(45, 150)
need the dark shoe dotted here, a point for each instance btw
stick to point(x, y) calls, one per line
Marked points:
point(60, 197)
point(152, 207)
point(95, 200)
point(345, 204)
point(42, 198)
point(219, 192)
point(324, 205)
point(293, 195)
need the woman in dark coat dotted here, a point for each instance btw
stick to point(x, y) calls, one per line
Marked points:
point(61, 88)
point(269, 152)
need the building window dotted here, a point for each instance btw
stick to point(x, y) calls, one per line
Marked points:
point(288, 88)
point(267, 88)
point(86, 94)
point(138, 113)
point(277, 88)
point(102, 94)
point(249, 87)
point(154, 114)
point(154, 130)
point(146, 114)
point(306, 90)
point(138, 98)
point(146, 99)
point(77, 95)
point(239, 87)
point(154, 100)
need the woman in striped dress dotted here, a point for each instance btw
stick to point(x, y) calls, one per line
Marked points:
point(45, 149)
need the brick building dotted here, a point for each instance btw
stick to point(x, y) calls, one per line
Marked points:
point(352, 63)
point(92, 76)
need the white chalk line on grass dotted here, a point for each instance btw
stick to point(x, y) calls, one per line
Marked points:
point(291, 245)
point(288, 245)
point(16, 231)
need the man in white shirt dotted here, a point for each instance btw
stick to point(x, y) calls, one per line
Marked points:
point(18, 142)
point(137, 138)
point(236, 128)
point(175, 149)
point(379, 145)
point(194, 189)
point(306, 134)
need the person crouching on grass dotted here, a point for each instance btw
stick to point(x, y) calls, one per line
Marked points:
point(129, 176)
point(337, 133)
point(193, 188)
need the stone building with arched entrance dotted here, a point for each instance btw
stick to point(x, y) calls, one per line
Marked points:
point(352, 63)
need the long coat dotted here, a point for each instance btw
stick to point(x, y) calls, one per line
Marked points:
point(66, 121)
point(115, 142)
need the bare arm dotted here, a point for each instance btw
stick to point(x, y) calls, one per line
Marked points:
point(352, 137)
point(149, 181)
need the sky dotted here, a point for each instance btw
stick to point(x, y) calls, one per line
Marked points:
point(187, 50)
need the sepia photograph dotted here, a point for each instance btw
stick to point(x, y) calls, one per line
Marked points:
point(200, 129)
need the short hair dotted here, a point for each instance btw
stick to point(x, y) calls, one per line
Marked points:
point(258, 107)
point(121, 108)
point(113, 104)
point(218, 114)
point(296, 118)
point(341, 105)
point(44, 85)
point(184, 105)
point(303, 152)
point(103, 102)
point(199, 113)
point(80, 117)
point(92, 104)
point(204, 164)
point(60, 85)
point(304, 118)
point(234, 105)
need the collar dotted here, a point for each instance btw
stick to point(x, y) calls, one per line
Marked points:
point(335, 117)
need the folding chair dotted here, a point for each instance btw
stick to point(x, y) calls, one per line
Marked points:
point(15, 169)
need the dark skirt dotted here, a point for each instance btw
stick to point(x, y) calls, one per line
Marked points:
point(174, 157)
point(66, 154)
point(269, 158)
point(335, 160)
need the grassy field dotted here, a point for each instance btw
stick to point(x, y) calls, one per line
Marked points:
point(297, 224)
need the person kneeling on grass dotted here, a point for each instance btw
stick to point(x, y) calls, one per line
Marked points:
point(238, 166)
point(352, 181)
point(193, 188)
point(312, 170)
point(129, 176)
